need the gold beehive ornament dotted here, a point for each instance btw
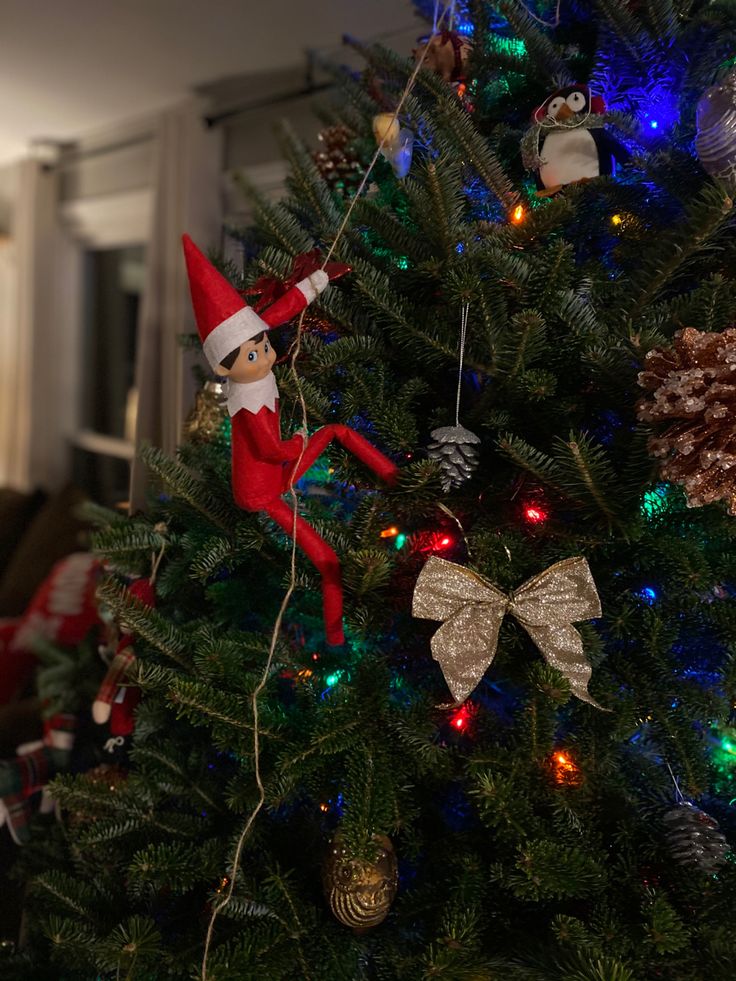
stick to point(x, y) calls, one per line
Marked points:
point(210, 411)
point(360, 892)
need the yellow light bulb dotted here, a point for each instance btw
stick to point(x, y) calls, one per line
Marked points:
point(386, 128)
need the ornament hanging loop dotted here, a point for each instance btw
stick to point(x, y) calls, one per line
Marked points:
point(454, 448)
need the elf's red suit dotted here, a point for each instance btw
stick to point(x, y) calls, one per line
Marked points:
point(264, 466)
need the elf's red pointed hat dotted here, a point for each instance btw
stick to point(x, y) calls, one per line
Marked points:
point(224, 319)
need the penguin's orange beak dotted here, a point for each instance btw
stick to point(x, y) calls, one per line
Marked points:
point(564, 113)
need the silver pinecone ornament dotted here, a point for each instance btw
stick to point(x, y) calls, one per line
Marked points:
point(694, 838)
point(455, 449)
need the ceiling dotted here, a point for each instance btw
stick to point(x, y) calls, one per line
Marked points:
point(68, 67)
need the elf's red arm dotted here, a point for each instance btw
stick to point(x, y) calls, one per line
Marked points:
point(265, 441)
point(295, 299)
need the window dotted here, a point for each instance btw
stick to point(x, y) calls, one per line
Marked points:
point(113, 281)
point(114, 284)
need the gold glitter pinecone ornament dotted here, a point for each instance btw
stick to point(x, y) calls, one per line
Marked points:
point(360, 892)
point(210, 411)
point(336, 161)
point(693, 388)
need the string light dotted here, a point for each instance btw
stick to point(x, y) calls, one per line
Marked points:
point(656, 501)
point(400, 540)
point(336, 805)
point(434, 541)
point(391, 532)
point(535, 515)
point(565, 771)
point(648, 594)
point(517, 215)
point(461, 718)
point(616, 219)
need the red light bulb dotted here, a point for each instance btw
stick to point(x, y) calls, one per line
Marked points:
point(461, 718)
point(535, 515)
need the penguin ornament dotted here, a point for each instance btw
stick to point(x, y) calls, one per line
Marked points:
point(567, 142)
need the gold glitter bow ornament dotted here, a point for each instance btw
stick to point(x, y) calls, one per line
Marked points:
point(472, 610)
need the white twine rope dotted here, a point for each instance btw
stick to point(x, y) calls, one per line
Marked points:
point(293, 355)
point(679, 794)
point(452, 14)
point(463, 333)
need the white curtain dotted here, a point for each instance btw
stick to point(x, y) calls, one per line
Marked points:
point(187, 198)
point(29, 364)
point(14, 420)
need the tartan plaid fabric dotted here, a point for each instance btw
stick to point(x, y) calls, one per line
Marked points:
point(58, 731)
point(16, 811)
point(116, 675)
point(26, 774)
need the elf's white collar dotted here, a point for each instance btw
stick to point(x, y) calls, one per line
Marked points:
point(252, 395)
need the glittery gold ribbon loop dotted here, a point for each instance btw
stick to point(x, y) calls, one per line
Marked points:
point(472, 610)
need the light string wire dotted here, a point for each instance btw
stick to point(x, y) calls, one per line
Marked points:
point(545, 23)
point(293, 354)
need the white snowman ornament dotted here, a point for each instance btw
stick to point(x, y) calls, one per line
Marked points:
point(568, 143)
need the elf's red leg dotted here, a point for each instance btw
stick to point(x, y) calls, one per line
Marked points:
point(325, 560)
point(353, 442)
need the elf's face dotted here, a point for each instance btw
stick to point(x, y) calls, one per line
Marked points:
point(253, 363)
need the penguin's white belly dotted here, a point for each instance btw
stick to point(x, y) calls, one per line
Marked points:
point(568, 156)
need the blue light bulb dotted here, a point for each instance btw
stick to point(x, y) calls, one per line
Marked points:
point(648, 594)
point(654, 124)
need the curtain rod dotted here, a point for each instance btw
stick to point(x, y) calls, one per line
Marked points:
point(72, 157)
point(310, 88)
point(302, 93)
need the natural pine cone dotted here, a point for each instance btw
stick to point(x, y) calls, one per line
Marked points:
point(694, 382)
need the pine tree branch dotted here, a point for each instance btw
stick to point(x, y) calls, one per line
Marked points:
point(145, 622)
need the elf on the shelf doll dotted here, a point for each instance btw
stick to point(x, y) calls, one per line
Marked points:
point(264, 467)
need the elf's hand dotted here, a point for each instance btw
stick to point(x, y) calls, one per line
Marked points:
point(318, 281)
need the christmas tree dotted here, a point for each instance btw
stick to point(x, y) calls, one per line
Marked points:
point(535, 330)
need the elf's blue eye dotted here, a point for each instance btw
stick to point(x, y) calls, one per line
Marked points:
point(252, 355)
